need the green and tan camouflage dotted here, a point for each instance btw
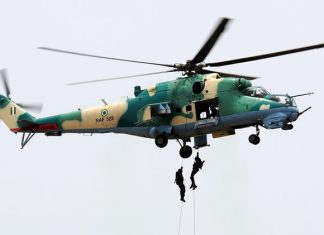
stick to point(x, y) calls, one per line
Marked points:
point(201, 102)
point(178, 109)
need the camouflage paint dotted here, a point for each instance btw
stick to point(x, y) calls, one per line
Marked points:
point(12, 114)
point(136, 112)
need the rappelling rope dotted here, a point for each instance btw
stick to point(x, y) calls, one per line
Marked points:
point(194, 209)
point(194, 214)
point(180, 219)
point(194, 201)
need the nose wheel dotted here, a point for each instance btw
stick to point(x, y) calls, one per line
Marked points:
point(254, 138)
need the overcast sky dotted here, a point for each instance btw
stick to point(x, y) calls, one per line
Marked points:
point(118, 184)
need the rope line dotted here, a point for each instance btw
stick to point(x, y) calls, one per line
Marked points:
point(180, 219)
point(194, 209)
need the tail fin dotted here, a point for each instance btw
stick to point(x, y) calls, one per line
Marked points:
point(13, 115)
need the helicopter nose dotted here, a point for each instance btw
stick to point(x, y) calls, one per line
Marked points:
point(294, 114)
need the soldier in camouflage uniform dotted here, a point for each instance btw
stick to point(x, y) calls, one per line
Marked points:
point(198, 164)
point(179, 181)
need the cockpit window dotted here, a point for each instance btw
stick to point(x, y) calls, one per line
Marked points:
point(260, 92)
point(283, 99)
point(256, 92)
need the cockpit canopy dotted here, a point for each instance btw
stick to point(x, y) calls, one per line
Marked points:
point(260, 92)
point(283, 99)
point(256, 91)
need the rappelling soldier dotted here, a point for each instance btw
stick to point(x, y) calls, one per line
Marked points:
point(179, 181)
point(198, 164)
point(213, 111)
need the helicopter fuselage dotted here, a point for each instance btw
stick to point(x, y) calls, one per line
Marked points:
point(180, 109)
point(201, 102)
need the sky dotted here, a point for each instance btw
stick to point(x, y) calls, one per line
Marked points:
point(118, 184)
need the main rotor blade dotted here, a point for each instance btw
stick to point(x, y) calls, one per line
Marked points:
point(103, 57)
point(5, 82)
point(264, 56)
point(34, 107)
point(209, 44)
point(205, 71)
point(123, 77)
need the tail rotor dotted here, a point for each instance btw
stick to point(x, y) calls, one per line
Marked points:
point(5, 82)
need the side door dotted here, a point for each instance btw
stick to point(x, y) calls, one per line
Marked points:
point(207, 113)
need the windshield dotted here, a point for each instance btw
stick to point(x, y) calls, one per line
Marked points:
point(260, 92)
point(283, 99)
point(256, 91)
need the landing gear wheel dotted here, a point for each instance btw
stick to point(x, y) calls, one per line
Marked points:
point(161, 141)
point(185, 151)
point(254, 139)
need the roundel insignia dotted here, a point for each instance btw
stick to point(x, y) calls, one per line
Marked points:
point(104, 112)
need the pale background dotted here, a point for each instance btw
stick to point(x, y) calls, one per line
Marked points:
point(117, 184)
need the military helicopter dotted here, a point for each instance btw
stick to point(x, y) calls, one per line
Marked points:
point(198, 103)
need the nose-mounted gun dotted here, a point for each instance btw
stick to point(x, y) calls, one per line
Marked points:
point(308, 93)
